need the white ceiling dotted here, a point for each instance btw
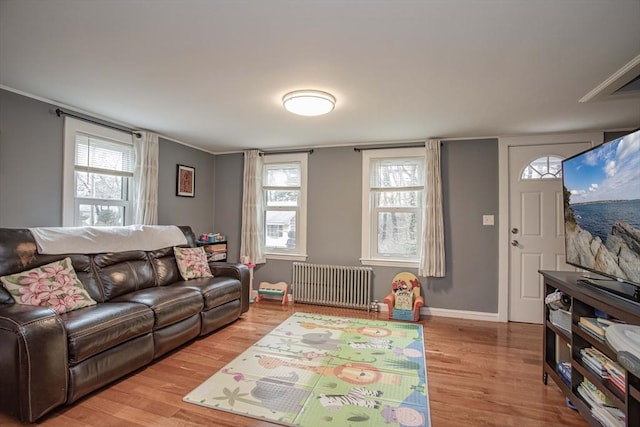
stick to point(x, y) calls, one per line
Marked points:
point(212, 73)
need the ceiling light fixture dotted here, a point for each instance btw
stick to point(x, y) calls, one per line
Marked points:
point(308, 102)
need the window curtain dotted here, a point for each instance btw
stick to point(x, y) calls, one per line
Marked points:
point(146, 179)
point(432, 262)
point(252, 235)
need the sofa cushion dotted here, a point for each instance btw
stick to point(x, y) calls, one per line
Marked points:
point(220, 316)
point(192, 262)
point(166, 268)
point(169, 304)
point(215, 291)
point(53, 285)
point(107, 366)
point(101, 327)
point(122, 272)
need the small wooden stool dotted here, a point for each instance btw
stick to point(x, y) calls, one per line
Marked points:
point(279, 289)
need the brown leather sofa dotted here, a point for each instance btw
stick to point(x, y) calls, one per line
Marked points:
point(144, 310)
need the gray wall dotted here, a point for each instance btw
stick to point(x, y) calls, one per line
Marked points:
point(31, 141)
point(31, 144)
point(30, 162)
point(470, 186)
point(194, 211)
point(470, 190)
point(228, 201)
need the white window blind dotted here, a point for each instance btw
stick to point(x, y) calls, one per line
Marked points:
point(99, 166)
point(103, 156)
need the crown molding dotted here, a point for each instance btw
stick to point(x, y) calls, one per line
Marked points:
point(607, 89)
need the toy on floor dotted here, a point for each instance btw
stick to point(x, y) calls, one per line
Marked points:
point(279, 289)
point(404, 301)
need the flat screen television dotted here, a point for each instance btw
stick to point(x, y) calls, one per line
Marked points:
point(602, 215)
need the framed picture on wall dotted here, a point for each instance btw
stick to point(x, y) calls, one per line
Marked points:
point(186, 181)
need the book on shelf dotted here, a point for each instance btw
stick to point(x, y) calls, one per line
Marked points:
point(587, 397)
point(617, 380)
point(608, 416)
point(594, 360)
point(604, 367)
point(618, 386)
point(616, 375)
point(561, 319)
point(602, 408)
point(216, 247)
point(217, 256)
point(598, 396)
point(564, 370)
point(596, 325)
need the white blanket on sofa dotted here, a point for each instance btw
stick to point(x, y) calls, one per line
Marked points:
point(93, 240)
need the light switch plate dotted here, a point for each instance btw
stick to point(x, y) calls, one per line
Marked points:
point(487, 219)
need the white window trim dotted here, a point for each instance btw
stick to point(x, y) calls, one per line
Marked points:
point(300, 253)
point(366, 256)
point(71, 128)
point(287, 257)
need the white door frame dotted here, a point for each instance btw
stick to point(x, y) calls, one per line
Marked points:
point(504, 252)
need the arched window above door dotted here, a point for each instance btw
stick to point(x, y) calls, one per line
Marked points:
point(547, 167)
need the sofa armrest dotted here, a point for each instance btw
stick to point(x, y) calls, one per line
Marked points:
point(236, 271)
point(33, 361)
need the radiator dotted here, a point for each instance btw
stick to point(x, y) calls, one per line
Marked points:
point(333, 285)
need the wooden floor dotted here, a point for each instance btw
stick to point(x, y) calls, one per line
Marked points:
point(479, 374)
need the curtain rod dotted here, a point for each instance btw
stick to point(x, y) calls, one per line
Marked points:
point(60, 112)
point(390, 146)
point(267, 153)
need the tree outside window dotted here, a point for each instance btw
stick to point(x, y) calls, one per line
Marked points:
point(393, 193)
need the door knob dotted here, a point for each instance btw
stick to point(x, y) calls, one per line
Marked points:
point(515, 243)
point(514, 230)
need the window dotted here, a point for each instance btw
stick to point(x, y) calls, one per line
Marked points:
point(275, 231)
point(98, 175)
point(392, 206)
point(284, 188)
point(543, 168)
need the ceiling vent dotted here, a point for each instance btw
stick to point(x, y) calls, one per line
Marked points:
point(624, 83)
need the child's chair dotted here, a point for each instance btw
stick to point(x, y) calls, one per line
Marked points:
point(404, 301)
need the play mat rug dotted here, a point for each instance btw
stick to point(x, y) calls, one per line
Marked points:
point(315, 370)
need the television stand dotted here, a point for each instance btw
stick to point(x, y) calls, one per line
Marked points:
point(562, 348)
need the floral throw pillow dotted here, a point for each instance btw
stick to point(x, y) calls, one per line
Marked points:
point(53, 285)
point(192, 262)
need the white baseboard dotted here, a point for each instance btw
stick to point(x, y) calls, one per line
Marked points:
point(458, 314)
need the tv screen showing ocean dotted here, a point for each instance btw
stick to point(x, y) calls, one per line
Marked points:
point(598, 217)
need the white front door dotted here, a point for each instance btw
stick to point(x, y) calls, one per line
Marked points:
point(536, 224)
